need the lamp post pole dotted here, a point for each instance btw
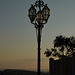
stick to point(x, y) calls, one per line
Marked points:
point(39, 43)
point(39, 19)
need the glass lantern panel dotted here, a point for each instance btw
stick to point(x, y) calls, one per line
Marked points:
point(32, 13)
point(46, 13)
point(39, 17)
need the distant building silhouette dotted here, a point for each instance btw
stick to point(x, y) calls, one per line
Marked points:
point(1, 73)
point(64, 66)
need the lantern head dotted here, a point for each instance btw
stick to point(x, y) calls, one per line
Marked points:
point(32, 13)
point(45, 13)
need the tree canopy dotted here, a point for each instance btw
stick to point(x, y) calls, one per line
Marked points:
point(63, 47)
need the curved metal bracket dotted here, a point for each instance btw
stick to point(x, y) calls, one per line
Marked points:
point(37, 25)
point(37, 3)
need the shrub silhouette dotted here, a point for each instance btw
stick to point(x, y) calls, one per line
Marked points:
point(63, 47)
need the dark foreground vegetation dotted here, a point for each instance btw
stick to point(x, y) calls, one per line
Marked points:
point(63, 47)
point(19, 72)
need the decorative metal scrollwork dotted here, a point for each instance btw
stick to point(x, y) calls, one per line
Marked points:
point(37, 3)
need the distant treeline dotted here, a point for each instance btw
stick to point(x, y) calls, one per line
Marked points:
point(19, 72)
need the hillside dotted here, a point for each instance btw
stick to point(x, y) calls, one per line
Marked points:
point(19, 72)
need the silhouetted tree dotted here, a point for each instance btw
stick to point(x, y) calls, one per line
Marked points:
point(63, 47)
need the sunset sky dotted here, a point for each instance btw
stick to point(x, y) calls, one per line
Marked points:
point(18, 43)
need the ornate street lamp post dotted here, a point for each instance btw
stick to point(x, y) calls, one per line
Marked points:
point(39, 14)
